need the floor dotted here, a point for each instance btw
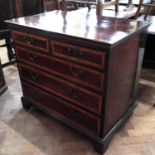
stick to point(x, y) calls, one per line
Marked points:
point(35, 133)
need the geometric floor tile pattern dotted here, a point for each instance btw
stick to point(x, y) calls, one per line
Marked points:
point(35, 133)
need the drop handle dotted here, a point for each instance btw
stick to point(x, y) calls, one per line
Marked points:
point(31, 57)
point(74, 52)
point(75, 95)
point(28, 39)
point(37, 97)
point(79, 74)
point(76, 116)
point(34, 76)
point(51, 62)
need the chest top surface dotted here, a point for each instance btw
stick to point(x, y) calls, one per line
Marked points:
point(85, 26)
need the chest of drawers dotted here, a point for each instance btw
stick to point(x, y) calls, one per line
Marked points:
point(83, 75)
point(3, 86)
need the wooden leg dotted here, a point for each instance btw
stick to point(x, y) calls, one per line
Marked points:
point(26, 105)
point(89, 7)
point(100, 148)
point(63, 5)
point(147, 12)
point(58, 5)
point(11, 54)
point(139, 9)
point(116, 6)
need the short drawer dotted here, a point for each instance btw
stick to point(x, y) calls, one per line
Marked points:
point(79, 54)
point(62, 109)
point(65, 69)
point(77, 95)
point(31, 40)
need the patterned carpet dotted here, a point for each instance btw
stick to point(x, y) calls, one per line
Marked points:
point(35, 133)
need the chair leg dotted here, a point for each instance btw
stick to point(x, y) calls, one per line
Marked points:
point(147, 12)
point(11, 54)
point(116, 6)
point(139, 9)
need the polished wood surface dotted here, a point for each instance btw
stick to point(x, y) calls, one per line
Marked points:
point(109, 31)
point(94, 44)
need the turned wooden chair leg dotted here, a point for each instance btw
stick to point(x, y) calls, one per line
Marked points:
point(148, 10)
point(58, 5)
point(139, 8)
point(116, 6)
point(63, 5)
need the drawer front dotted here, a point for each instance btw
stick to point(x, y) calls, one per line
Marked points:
point(61, 108)
point(67, 70)
point(61, 88)
point(31, 40)
point(79, 54)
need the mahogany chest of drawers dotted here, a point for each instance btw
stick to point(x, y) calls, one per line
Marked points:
point(3, 86)
point(83, 72)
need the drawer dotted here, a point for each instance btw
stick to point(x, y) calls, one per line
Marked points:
point(79, 54)
point(31, 40)
point(78, 96)
point(65, 69)
point(62, 109)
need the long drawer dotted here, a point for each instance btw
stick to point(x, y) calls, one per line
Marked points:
point(32, 41)
point(79, 54)
point(77, 95)
point(65, 69)
point(70, 113)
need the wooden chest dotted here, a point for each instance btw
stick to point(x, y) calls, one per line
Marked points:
point(83, 72)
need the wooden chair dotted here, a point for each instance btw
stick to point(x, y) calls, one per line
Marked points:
point(6, 12)
point(149, 54)
point(11, 9)
point(148, 7)
point(99, 4)
point(50, 5)
point(28, 7)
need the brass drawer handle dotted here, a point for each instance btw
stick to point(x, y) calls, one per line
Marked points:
point(75, 94)
point(76, 116)
point(77, 74)
point(34, 76)
point(31, 56)
point(28, 39)
point(37, 97)
point(74, 52)
point(51, 62)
